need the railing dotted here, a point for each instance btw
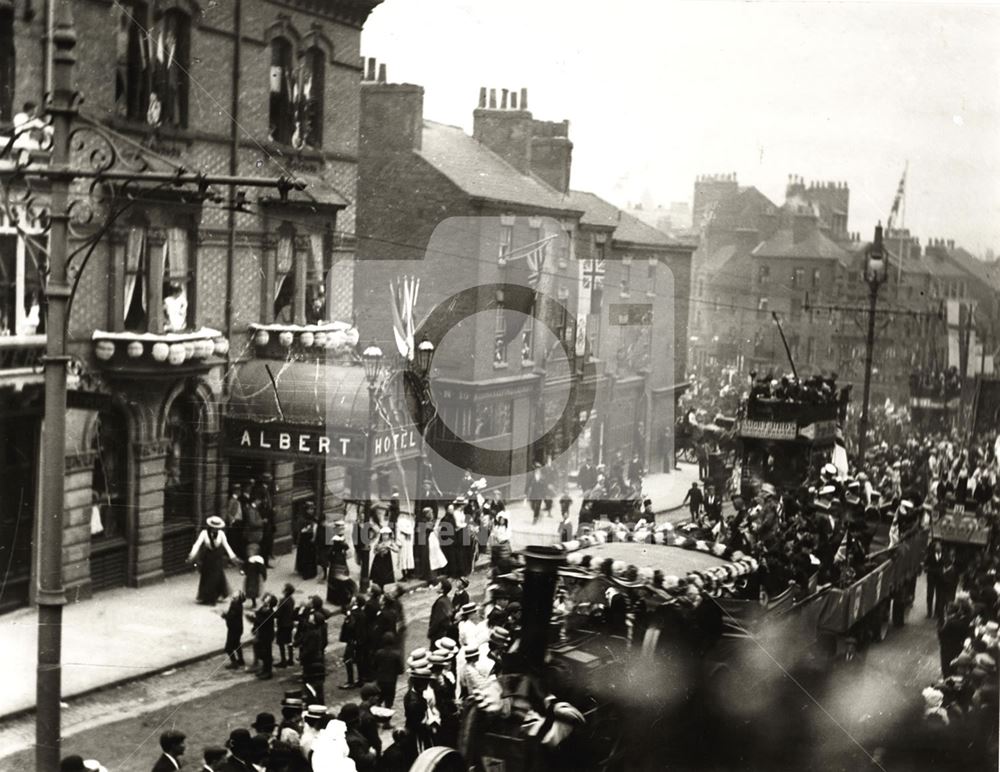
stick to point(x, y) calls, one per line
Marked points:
point(20, 352)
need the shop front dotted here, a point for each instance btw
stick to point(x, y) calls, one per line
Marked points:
point(309, 426)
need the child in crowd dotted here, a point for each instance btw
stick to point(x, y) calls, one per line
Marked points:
point(255, 574)
point(233, 616)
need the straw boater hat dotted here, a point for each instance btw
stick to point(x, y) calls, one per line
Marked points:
point(471, 652)
point(468, 610)
point(446, 645)
point(215, 522)
point(315, 712)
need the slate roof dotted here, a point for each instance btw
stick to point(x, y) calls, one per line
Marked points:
point(815, 246)
point(628, 228)
point(481, 173)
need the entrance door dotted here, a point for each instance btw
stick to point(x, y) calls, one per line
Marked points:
point(181, 499)
point(18, 460)
point(109, 541)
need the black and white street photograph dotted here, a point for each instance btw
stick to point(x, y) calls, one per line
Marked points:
point(512, 386)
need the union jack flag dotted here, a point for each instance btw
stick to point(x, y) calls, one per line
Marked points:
point(593, 274)
point(536, 264)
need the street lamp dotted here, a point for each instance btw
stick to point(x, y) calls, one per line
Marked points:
point(371, 358)
point(875, 275)
point(425, 353)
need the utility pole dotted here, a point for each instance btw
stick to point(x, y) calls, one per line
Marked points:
point(51, 596)
point(875, 276)
point(19, 178)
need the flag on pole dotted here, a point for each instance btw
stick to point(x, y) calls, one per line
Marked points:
point(897, 202)
point(404, 299)
point(593, 282)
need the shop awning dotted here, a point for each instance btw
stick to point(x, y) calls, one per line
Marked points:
point(310, 410)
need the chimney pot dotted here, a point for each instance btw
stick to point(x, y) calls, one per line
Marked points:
point(482, 97)
point(503, 99)
point(524, 99)
point(371, 68)
point(513, 100)
point(381, 73)
point(493, 99)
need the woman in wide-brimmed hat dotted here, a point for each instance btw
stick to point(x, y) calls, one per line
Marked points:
point(382, 571)
point(209, 554)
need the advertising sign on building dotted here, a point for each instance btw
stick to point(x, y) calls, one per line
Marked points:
point(768, 430)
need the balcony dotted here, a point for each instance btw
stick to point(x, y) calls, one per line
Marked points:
point(151, 355)
point(303, 342)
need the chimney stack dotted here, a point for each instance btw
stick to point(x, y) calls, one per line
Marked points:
point(503, 98)
point(381, 73)
point(513, 100)
point(371, 68)
point(524, 99)
point(482, 98)
point(493, 99)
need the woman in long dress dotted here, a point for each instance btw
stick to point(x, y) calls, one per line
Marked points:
point(382, 571)
point(305, 551)
point(339, 585)
point(405, 528)
point(437, 560)
point(209, 554)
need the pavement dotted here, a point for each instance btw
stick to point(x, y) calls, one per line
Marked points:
point(126, 634)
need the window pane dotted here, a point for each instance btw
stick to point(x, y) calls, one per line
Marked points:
point(280, 107)
point(313, 90)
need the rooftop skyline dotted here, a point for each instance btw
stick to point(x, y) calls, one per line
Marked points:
point(657, 94)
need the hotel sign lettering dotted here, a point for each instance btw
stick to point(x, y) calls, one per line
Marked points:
point(248, 438)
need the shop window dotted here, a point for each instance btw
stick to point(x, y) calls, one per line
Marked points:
point(110, 476)
point(281, 87)
point(313, 85)
point(169, 45)
point(8, 63)
point(180, 487)
point(494, 419)
point(133, 64)
point(20, 287)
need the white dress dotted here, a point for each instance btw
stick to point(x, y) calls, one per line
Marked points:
point(437, 558)
point(404, 533)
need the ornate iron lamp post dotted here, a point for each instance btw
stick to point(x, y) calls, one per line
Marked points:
point(111, 176)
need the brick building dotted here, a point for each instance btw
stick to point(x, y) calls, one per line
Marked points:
point(166, 319)
point(496, 208)
point(755, 258)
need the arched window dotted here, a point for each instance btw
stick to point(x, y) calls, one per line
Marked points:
point(313, 85)
point(282, 81)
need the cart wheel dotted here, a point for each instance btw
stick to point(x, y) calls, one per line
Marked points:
point(439, 759)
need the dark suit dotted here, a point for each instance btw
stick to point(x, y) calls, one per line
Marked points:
point(164, 764)
point(441, 618)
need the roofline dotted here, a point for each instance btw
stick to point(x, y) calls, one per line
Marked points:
point(683, 248)
point(524, 206)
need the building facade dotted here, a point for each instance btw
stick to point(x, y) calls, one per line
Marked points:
point(170, 298)
point(495, 211)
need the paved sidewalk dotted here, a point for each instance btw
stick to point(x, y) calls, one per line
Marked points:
point(125, 634)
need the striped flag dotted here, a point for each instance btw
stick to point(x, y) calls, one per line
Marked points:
point(897, 202)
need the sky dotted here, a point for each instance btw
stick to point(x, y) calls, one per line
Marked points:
point(660, 91)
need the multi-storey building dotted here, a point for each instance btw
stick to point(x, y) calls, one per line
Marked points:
point(496, 208)
point(757, 260)
point(162, 320)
